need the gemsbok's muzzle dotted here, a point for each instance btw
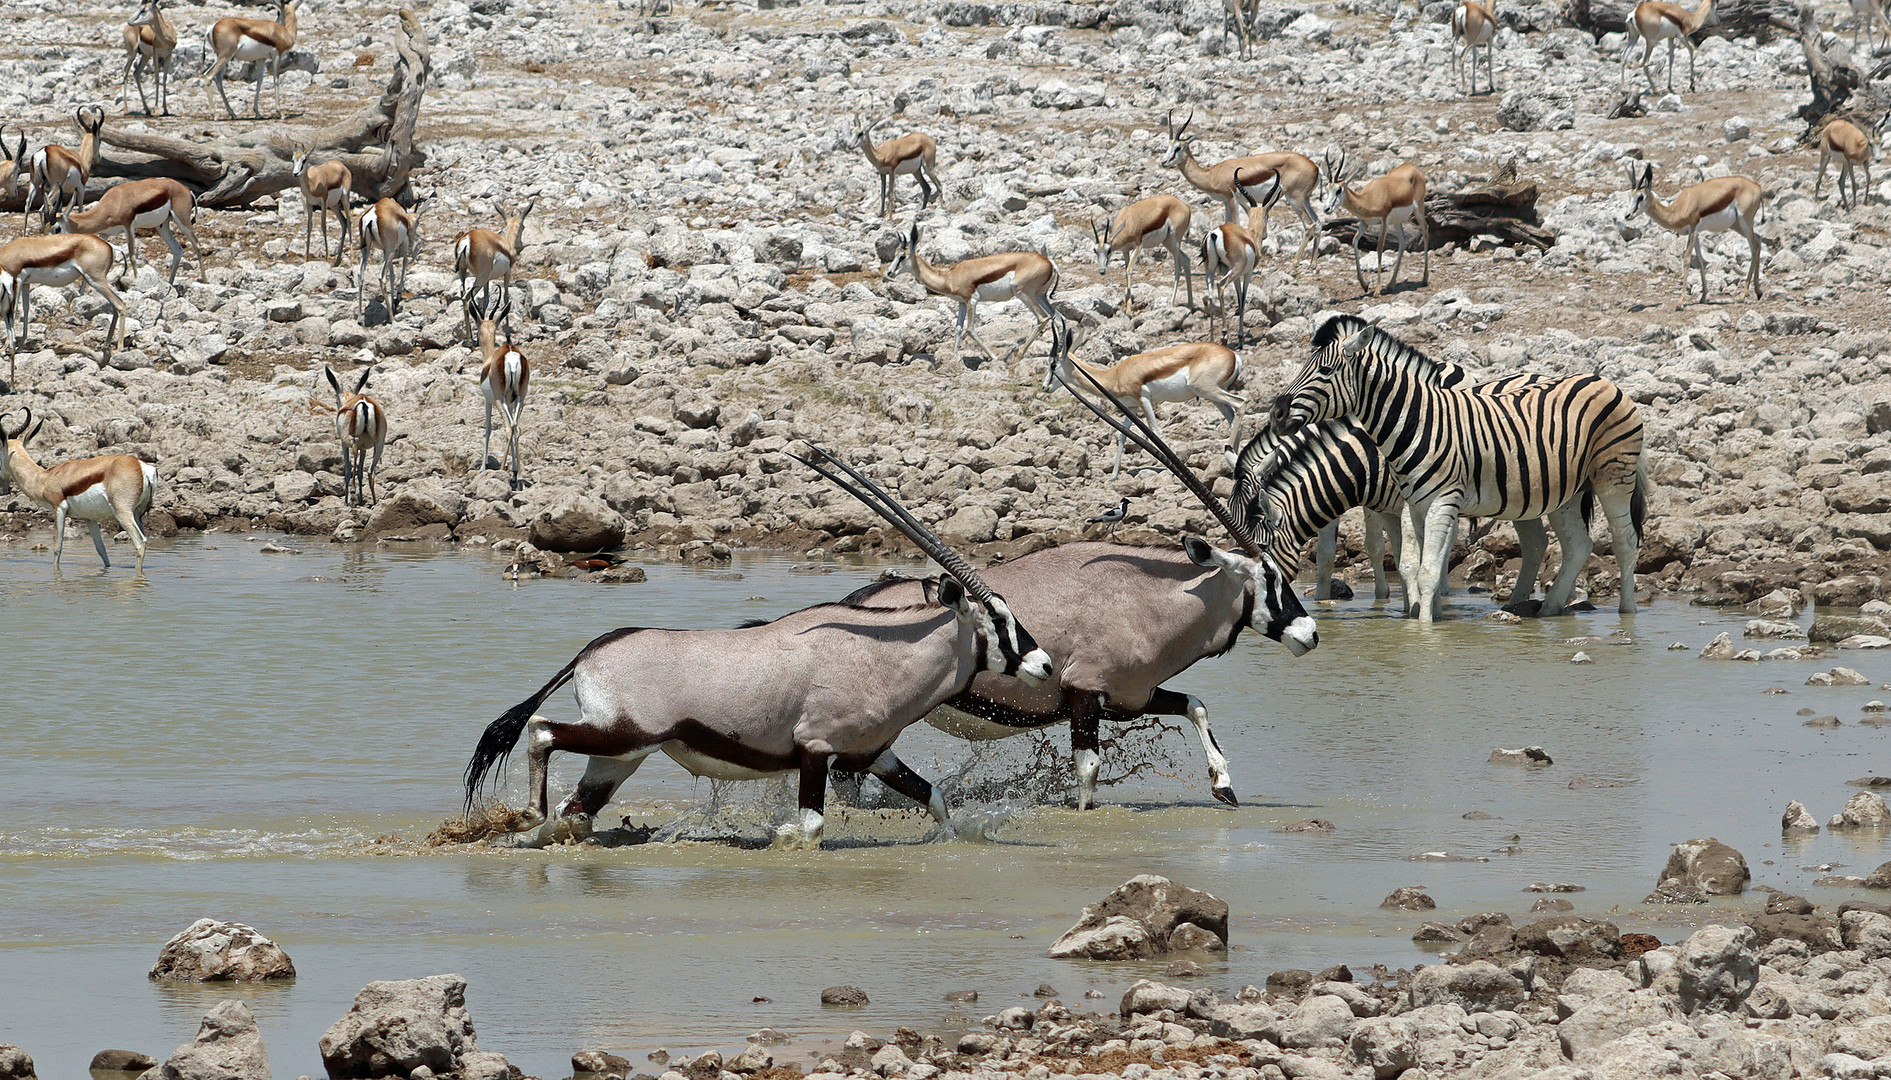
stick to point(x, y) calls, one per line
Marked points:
point(1302, 636)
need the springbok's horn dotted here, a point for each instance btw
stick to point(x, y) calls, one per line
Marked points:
point(1152, 443)
point(24, 424)
point(877, 500)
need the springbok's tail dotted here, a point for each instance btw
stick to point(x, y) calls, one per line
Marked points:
point(503, 734)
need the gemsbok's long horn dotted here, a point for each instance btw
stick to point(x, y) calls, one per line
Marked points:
point(1146, 438)
point(897, 516)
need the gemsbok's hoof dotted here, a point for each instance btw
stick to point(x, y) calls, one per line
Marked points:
point(803, 834)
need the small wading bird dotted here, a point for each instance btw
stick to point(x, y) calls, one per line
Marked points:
point(60, 175)
point(1655, 21)
point(261, 41)
point(361, 424)
point(487, 255)
point(55, 260)
point(831, 686)
point(1390, 200)
point(1198, 370)
point(914, 155)
point(1113, 515)
point(1169, 607)
point(115, 487)
point(504, 375)
point(1014, 275)
point(150, 41)
point(1725, 202)
point(1842, 141)
point(159, 203)
point(1474, 26)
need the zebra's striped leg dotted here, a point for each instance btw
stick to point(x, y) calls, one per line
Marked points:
point(1441, 522)
point(1573, 534)
point(1326, 553)
point(1624, 541)
point(1376, 530)
point(1534, 539)
point(1406, 558)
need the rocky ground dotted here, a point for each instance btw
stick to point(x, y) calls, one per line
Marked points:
point(702, 287)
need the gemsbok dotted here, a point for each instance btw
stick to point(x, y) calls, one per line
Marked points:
point(1653, 21)
point(1716, 205)
point(1474, 26)
point(1296, 487)
point(264, 41)
point(1159, 221)
point(1014, 275)
point(326, 189)
point(504, 375)
point(55, 260)
point(1202, 370)
point(831, 686)
point(1844, 142)
point(361, 424)
point(150, 41)
point(914, 155)
point(114, 487)
point(486, 256)
point(1544, 449)
point(1390, 200)
point(58, 176)
point(393, 231)
point(159, 203)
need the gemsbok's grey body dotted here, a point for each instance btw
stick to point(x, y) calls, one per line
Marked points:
point(828, 686)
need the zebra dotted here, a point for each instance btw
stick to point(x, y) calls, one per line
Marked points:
point(1548, 448)
point(1294, 486)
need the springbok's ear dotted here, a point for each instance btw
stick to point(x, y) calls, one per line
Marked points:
point(363, 384)
point(332, 381)
point(952, 595)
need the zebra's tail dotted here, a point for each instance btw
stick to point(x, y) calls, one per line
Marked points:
point(1588, 497)
point(1638, 502)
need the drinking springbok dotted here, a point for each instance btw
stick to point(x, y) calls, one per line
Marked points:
point(394, 232)
point(1197, 370)
point(361, 424)
point(504, 375)
point(150, 41)
point(159, 203)
point(1169, 607)
point(115, 487)
point(259, 40)
point(55, 260)
point(828, 686)
point(60, 175)
point(914, 155)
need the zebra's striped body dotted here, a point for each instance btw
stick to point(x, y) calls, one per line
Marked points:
point(1513, 455)
point(1303, 482)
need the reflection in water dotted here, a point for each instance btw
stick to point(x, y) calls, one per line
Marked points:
point(259, 732)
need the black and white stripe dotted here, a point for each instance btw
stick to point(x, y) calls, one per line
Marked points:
point(1514, 454)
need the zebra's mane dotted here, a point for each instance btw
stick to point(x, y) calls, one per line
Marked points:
point(1398, 354)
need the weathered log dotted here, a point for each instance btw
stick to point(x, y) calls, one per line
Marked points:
point(1831, 83)
point(376, 143)
point(1501, 207)
point(1762, 20)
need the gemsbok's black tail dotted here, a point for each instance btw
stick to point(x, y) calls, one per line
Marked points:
point(495, 746)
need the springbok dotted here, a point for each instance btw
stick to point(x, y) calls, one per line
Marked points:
point(1474, 26)
point(1200, 370)
point(394, 232)
point(487, 255)
point(1286, 175)
point(261, 40)
point(1716, 205)
point(13, 164)
point(1229, 255)
point(1392, 199)
point(159, 203)
point(1653, 21)
point(361, 424)
point(831, 686)
point(1842, 141)
point(914, 155)
point(504, 375)
point(326, 189)
point(114, 487)
point(1217, 181)
point(1159, 221)
point(61, 174)
point(150, 40)
point(55, 260)
point(1019, 275)
point(1865, 15)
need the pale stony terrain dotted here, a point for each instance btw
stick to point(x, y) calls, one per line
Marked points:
point(702, 287)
